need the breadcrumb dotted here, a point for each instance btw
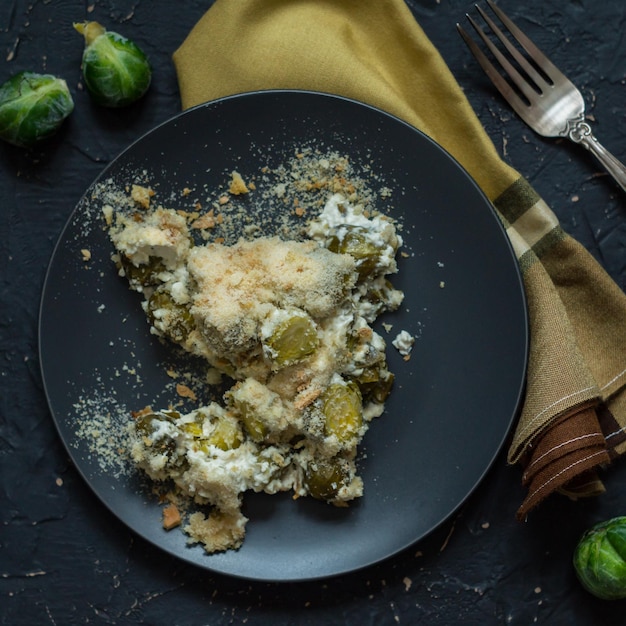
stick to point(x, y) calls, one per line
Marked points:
point(171, 517)
point(185, 392)
point(237, 185)
point(141, 195)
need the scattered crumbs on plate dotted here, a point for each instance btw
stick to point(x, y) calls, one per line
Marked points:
point(101, 424)
point(284, 195)
point(129, 369)
point(101, 421)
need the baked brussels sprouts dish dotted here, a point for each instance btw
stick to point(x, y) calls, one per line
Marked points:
point(289, 321)
point(33, 107)
point(600, 559)
point(115, 70)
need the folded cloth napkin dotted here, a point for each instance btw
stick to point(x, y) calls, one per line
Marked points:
point(573, 417)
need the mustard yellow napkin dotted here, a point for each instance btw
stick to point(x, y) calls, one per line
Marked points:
point(574, 412)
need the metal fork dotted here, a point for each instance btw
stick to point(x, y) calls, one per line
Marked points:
point(546, 100)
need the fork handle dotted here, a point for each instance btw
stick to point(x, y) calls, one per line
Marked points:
point(581, 133)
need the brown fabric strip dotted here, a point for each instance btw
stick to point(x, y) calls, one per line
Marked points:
point(579, 429)
point(575, 430)
point(560, 473)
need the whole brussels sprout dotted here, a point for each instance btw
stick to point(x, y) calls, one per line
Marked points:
point(116, 71)
point(32, 107)
point(600, 559)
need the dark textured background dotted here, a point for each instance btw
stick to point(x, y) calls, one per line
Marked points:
point(64, 559)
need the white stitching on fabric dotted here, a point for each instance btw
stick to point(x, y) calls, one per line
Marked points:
point(613, 380)
point(560, 445)
point(544, 485)
point(619, 431)
point(572, 395)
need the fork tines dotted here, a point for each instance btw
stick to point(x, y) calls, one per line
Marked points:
point(523, 88)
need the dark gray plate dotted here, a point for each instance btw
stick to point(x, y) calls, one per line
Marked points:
point(444, 425)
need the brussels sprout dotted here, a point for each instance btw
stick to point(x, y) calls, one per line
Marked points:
point(375, 384)
point(343, 411)
point(600, 559)
point(143, 275)
point(177, 323)
point(324, 477)
point(144, 420)
point(293, 339)
point(146, 424)
point(32, 107)
point(255, 427)
point(193, 428)
point(226, 435)
point(116, 71)
point(360, 247)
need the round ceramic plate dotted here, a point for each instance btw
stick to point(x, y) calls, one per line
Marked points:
point(453, 402)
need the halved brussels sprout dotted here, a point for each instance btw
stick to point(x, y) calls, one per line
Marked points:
point(342, 408)
point(360, 247)
point(324, 477)
point(600, 559)
point(293, 339)
point(33, 107)
point(116, 71)
point(193, 428)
